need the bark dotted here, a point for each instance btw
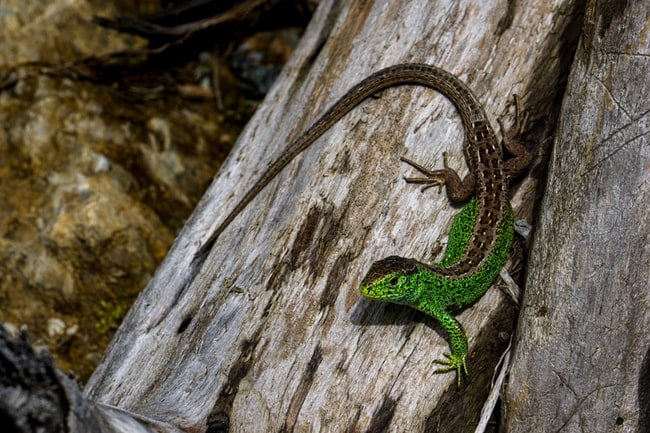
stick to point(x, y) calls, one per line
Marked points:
point(273, 335)
point(35, 395)
point(582, 358)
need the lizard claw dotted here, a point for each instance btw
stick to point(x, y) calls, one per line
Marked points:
point(453, 362)
point(432, 177)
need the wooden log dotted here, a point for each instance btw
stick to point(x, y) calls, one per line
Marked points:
point(272, 334)
point(582, 353)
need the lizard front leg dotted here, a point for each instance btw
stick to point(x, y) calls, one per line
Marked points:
point(521, 157)
point(456, 360)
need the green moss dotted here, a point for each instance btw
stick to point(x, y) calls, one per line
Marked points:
point(109, 316)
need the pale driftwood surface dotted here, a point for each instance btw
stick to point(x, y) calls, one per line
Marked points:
point(582, 358)
point(273, 334)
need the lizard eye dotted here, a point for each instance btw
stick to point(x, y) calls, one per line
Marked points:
point(393, 281)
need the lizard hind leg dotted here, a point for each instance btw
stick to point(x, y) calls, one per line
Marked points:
point(457, 190)
point(432, 177)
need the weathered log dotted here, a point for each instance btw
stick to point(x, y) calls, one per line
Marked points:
point(582, 358)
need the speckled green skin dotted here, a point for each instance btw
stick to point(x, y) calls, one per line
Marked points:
point(409, 282)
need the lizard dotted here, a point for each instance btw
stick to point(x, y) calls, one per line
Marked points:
point(481, 233)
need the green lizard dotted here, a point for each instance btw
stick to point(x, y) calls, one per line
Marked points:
point(481, 234)
point(480, 237)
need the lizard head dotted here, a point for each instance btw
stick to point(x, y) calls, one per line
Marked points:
point(390, 279)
